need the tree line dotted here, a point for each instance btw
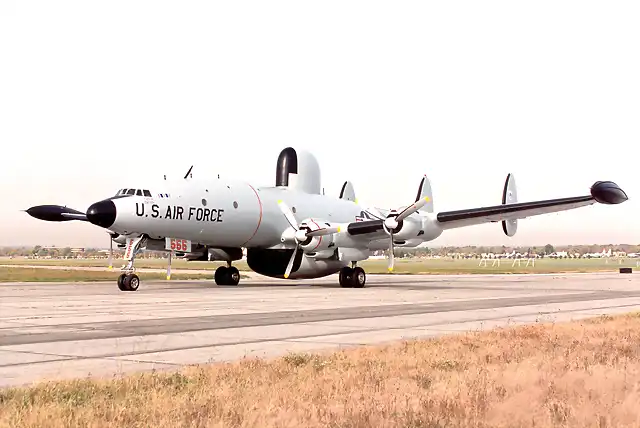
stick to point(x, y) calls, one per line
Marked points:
point(68, 252)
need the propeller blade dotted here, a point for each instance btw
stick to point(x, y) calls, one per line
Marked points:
point(391, 258)
point(290, 265)
point(288, 214)
point(324, 231)
point(413, 208)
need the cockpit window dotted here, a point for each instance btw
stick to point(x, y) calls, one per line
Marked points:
point(138, 192)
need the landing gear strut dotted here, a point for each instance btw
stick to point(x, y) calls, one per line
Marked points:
point(227, 275)
point(352, 277)
point(128, 280)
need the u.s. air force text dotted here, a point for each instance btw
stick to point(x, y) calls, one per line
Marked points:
point(177, 212)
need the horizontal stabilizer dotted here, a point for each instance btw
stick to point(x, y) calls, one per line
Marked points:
point(55, 213)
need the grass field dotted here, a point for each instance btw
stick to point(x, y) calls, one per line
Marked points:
point(575, 374)
point(411, 266)
point(27, 274)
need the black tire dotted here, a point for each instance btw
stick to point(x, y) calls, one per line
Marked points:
point(131, 282)
point(358, 277)
point(134, 282)
point(221, 276)
point(345, 276)
point(232, 276)
point(121, 285)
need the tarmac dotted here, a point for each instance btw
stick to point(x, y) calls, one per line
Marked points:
point(51, 331)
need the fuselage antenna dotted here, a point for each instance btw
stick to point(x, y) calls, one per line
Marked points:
point(188, 173)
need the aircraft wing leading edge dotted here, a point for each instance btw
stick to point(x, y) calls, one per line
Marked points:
point(475, 216)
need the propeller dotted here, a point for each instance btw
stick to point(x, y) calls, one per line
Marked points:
point(303, 234)
point(393, 221)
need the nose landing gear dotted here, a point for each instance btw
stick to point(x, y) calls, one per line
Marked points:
point(128, 280)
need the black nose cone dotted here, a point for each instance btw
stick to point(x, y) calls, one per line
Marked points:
point(102, 213)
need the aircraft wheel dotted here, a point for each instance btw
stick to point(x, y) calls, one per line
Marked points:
point(232, 275)
point(121, 282)
point(345, 276)
point(221, 275)
point(358, 277)
point(131, 282)
point(226, 275)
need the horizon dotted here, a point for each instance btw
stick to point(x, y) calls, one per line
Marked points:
point(115, 248)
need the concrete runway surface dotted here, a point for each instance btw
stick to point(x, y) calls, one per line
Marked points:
point(57, 331)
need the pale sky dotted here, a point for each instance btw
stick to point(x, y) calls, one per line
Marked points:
point(95, 96)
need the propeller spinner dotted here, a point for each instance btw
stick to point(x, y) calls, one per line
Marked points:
point(303, 233)
point(394, 222)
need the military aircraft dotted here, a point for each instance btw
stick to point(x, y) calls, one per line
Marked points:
point(291, 230)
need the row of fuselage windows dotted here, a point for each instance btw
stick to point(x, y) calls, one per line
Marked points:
point(138, 192)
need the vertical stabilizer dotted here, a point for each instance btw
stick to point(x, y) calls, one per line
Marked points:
point(509, 196)
point(424, 191)
point(348, 192)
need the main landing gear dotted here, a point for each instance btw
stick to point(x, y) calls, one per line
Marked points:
point(352, 277)
point(227, 275)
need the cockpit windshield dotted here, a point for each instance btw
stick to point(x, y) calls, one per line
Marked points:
point(137, 192)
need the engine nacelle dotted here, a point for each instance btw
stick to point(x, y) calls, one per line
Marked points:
point(273, 263)
point(317, 244)
point(408, 228)
point(311, 244)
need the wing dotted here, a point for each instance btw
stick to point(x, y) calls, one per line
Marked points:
point(604, 192)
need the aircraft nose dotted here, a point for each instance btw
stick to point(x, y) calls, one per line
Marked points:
point(102, 213)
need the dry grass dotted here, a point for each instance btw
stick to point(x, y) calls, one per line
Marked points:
point(575, 374)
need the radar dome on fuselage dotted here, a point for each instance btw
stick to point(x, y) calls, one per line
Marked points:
point(298, 169)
